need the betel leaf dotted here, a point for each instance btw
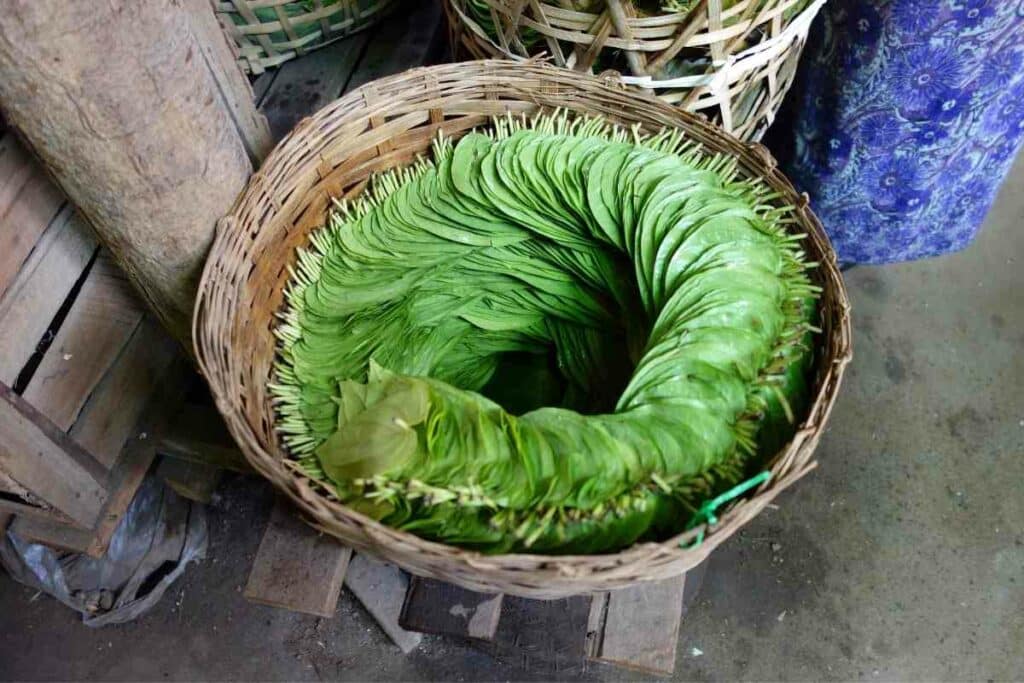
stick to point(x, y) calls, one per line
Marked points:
point(553, 336)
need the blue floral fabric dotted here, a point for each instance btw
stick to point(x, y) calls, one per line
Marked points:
point(905, 118)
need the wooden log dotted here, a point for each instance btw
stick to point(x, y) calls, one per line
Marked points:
point(297, 567)
point(438, 607)
point(233, 85)
point(381, 589)
point(116, 101)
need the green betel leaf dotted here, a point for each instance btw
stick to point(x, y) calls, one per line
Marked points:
point(378, 431)
point(554, 336)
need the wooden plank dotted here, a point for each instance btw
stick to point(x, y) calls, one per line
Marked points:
point(305, 85)
point(21, 508)
point(96, 329)
point(639, 628)
point(546, 637)
point(406, 40)
point(139, 451)
point(37, 293)
point(29, 201)
point(438, 607)
point(70, 539)
point(381, 589)
point(8, 485)
point(197, 434)
point(297, 567)
point(39, 456)
point(191, 480)
point(232, 84)
point(126, 476)
point(114, 408)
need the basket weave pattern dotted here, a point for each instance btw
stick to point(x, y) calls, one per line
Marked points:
point(745, 56)
point(269, 32)
point(390, 123)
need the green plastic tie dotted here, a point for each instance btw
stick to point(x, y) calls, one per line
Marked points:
point(706, 513)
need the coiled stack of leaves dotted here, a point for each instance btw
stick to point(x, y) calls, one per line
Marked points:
point(557, 336)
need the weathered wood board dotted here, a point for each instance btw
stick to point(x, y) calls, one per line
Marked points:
point(638, 627)
point(114, 407)
point(437, 607)
point(29, 201)
point(99, 324)
point(42, 458)
point(297, 567)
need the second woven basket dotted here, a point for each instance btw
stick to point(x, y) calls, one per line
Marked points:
point(731, 60)
point(268, 33)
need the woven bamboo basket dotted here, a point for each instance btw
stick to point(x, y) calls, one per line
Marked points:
point(269, 32)
point(386, 124)
point(731, 61)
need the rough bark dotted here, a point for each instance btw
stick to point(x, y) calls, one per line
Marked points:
point(114, 98)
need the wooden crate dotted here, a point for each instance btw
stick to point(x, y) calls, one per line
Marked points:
point(82, 368)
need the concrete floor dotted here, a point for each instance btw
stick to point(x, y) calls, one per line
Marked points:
point(902, 557)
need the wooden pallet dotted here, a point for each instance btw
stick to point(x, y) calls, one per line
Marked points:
point(83, 370)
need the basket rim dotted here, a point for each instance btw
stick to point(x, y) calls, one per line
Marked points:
point(550, 575)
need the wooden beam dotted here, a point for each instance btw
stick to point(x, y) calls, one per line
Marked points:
point(42, 458)
point(23, 508)
point(124, 479)
point(70, 539)
point(297, 567)
point(116, 101)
